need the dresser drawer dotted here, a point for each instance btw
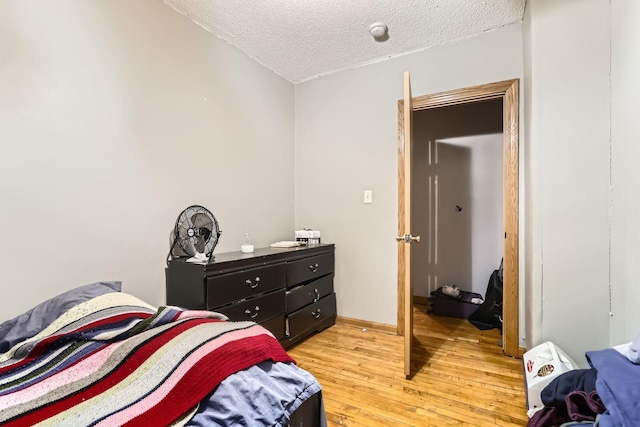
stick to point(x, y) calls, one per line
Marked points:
point(256, 309)
point(222, 290)
point(275, 326)
point(302, 295)
point(306, 318)
point(309, 268)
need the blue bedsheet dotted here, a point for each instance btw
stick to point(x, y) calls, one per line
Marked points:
point(618, 385)
point(262, 395)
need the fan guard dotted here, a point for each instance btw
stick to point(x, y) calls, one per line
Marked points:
point(196, 231)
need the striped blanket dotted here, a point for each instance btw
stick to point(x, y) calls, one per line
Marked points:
point(114, 360)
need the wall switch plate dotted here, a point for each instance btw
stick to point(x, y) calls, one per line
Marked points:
point(368, 196)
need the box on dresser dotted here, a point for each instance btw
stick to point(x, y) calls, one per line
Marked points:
point(289, 291)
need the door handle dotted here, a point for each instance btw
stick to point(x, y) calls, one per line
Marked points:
point(253, 283)
point(408, 238)
point(253, 314)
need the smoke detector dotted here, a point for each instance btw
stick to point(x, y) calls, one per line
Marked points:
point(378, 30)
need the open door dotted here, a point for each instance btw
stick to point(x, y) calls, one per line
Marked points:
point(404, 237)
point(507, 91)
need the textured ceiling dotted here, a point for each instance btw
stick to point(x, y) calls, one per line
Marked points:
point(302, 39)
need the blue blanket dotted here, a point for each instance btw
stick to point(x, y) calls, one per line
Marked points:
point(618, 385)
point(265, 394)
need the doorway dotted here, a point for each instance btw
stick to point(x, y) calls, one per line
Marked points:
point(506, 93)
point(456, 199)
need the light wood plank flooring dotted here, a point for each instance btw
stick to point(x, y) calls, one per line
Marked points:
point(460, 376)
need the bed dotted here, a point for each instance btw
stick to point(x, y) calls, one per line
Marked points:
point(99, 356)
point(606, 395)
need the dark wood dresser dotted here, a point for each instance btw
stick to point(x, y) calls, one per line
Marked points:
point(288, 291)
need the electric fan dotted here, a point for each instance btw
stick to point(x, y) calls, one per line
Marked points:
point(196, 232)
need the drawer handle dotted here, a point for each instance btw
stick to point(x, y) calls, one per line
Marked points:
point(253, 283)
point(317, 295)
point(252, 315)
point(316, 314)
point(314, 267)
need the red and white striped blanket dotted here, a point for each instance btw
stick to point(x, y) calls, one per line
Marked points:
point(115, 360)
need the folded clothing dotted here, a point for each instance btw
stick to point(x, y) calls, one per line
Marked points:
point(555, 393)
point(578, 406)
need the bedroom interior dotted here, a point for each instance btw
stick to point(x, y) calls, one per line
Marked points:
point(116, 115)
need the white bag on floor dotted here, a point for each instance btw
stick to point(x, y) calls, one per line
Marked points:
point(542, 364)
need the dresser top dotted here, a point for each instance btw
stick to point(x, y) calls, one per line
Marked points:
point(229, 261)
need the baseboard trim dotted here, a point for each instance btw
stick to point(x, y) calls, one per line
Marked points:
point(374, 326)
point(521, 352)
point(417, 299)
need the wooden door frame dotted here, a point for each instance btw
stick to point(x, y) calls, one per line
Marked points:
point(508, 91)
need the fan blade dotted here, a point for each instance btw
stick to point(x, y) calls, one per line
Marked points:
point(201, 219)
point(202, 224)
point(200, 244)
point(205, 233)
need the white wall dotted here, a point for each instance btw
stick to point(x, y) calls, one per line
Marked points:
point(457, 247)
point(487, 222)
point(484, 210)
point(567, 56)
point(625, 173)
point(346, 139)
point(531, 298)
point(449, 242)
point(115, 116)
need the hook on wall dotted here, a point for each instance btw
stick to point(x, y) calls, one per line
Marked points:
point(458, 208)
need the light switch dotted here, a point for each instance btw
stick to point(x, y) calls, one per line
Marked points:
point(368, 196)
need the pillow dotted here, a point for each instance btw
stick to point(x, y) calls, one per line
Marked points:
point(33, 321)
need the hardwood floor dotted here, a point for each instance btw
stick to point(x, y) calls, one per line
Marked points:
point(460, 376)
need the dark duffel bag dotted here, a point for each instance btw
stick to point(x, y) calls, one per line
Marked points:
point(489, 313)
